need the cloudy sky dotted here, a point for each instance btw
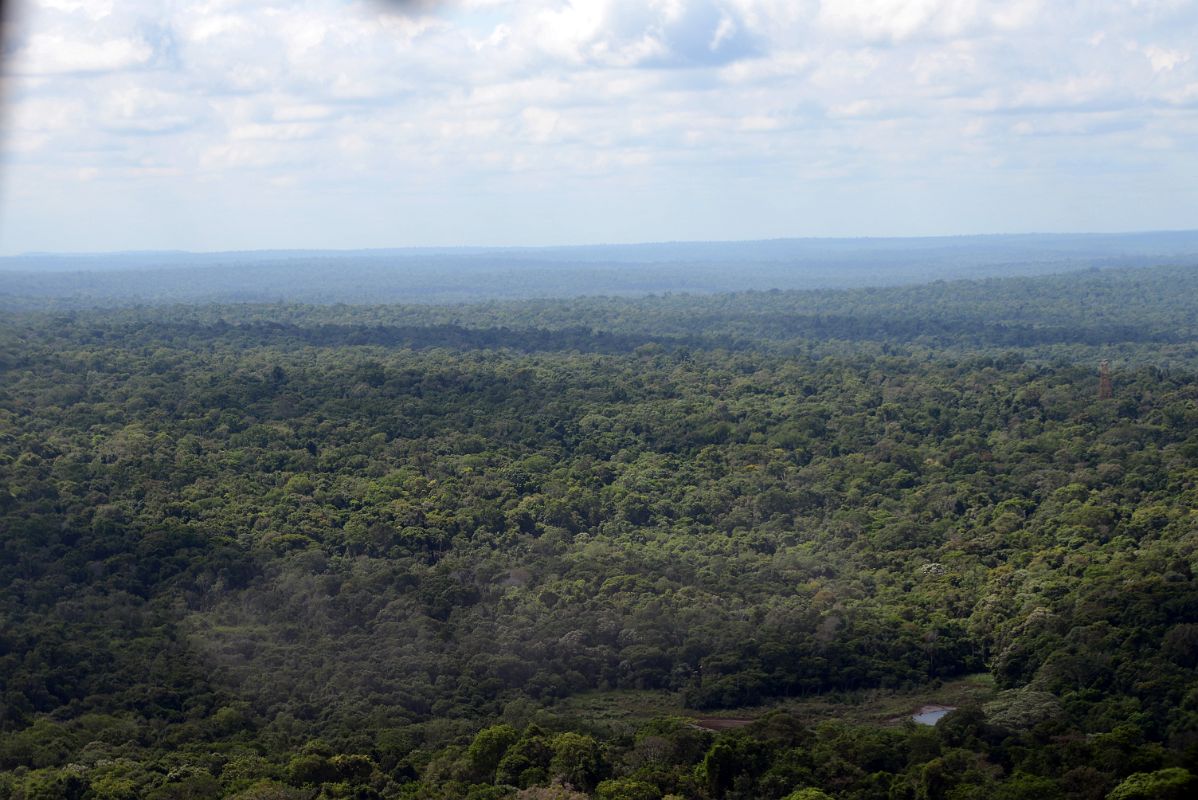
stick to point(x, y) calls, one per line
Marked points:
point(226, 124)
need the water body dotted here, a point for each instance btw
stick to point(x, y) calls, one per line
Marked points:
point(930, 715)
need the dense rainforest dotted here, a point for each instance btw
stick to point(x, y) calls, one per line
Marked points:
point(624, 548)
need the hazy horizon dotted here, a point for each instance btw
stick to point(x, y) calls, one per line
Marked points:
point(470, 275)
point(486, 248)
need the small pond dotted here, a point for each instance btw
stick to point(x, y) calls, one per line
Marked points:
point(930, 715)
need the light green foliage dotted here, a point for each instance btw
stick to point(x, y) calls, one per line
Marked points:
point(488, 749)
point(626, 789)
point(553, 792)
point(577, 760)
point(1022, 708)
point(269, 790)
point(807, 794)
point(1166, 784)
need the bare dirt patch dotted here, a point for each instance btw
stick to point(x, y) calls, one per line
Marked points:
point(721, 723)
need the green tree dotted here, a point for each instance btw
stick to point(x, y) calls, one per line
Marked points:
point(577, 760)
point(488, 749)
point(1174, 783)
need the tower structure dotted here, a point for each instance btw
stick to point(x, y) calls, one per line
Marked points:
point(1105, 391)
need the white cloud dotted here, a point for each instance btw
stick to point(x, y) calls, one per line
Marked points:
point(540, 123)
point(1164, 59)
point(52, 54)
point(205, 27)
point(136, 109)
point(285, 132)
point(534, 104)
point(91, 9)
point(759, 124)
point(627, 33)
point(901, 20)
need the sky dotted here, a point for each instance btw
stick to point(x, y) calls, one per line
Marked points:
point(169, 124)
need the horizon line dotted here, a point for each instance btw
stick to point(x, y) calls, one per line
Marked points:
point(583, 245)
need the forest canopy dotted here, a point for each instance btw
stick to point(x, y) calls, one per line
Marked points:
point(281, 550)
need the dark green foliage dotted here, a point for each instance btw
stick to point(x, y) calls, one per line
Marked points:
point(226, 532)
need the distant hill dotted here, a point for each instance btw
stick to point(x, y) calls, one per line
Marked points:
point(450, 275)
